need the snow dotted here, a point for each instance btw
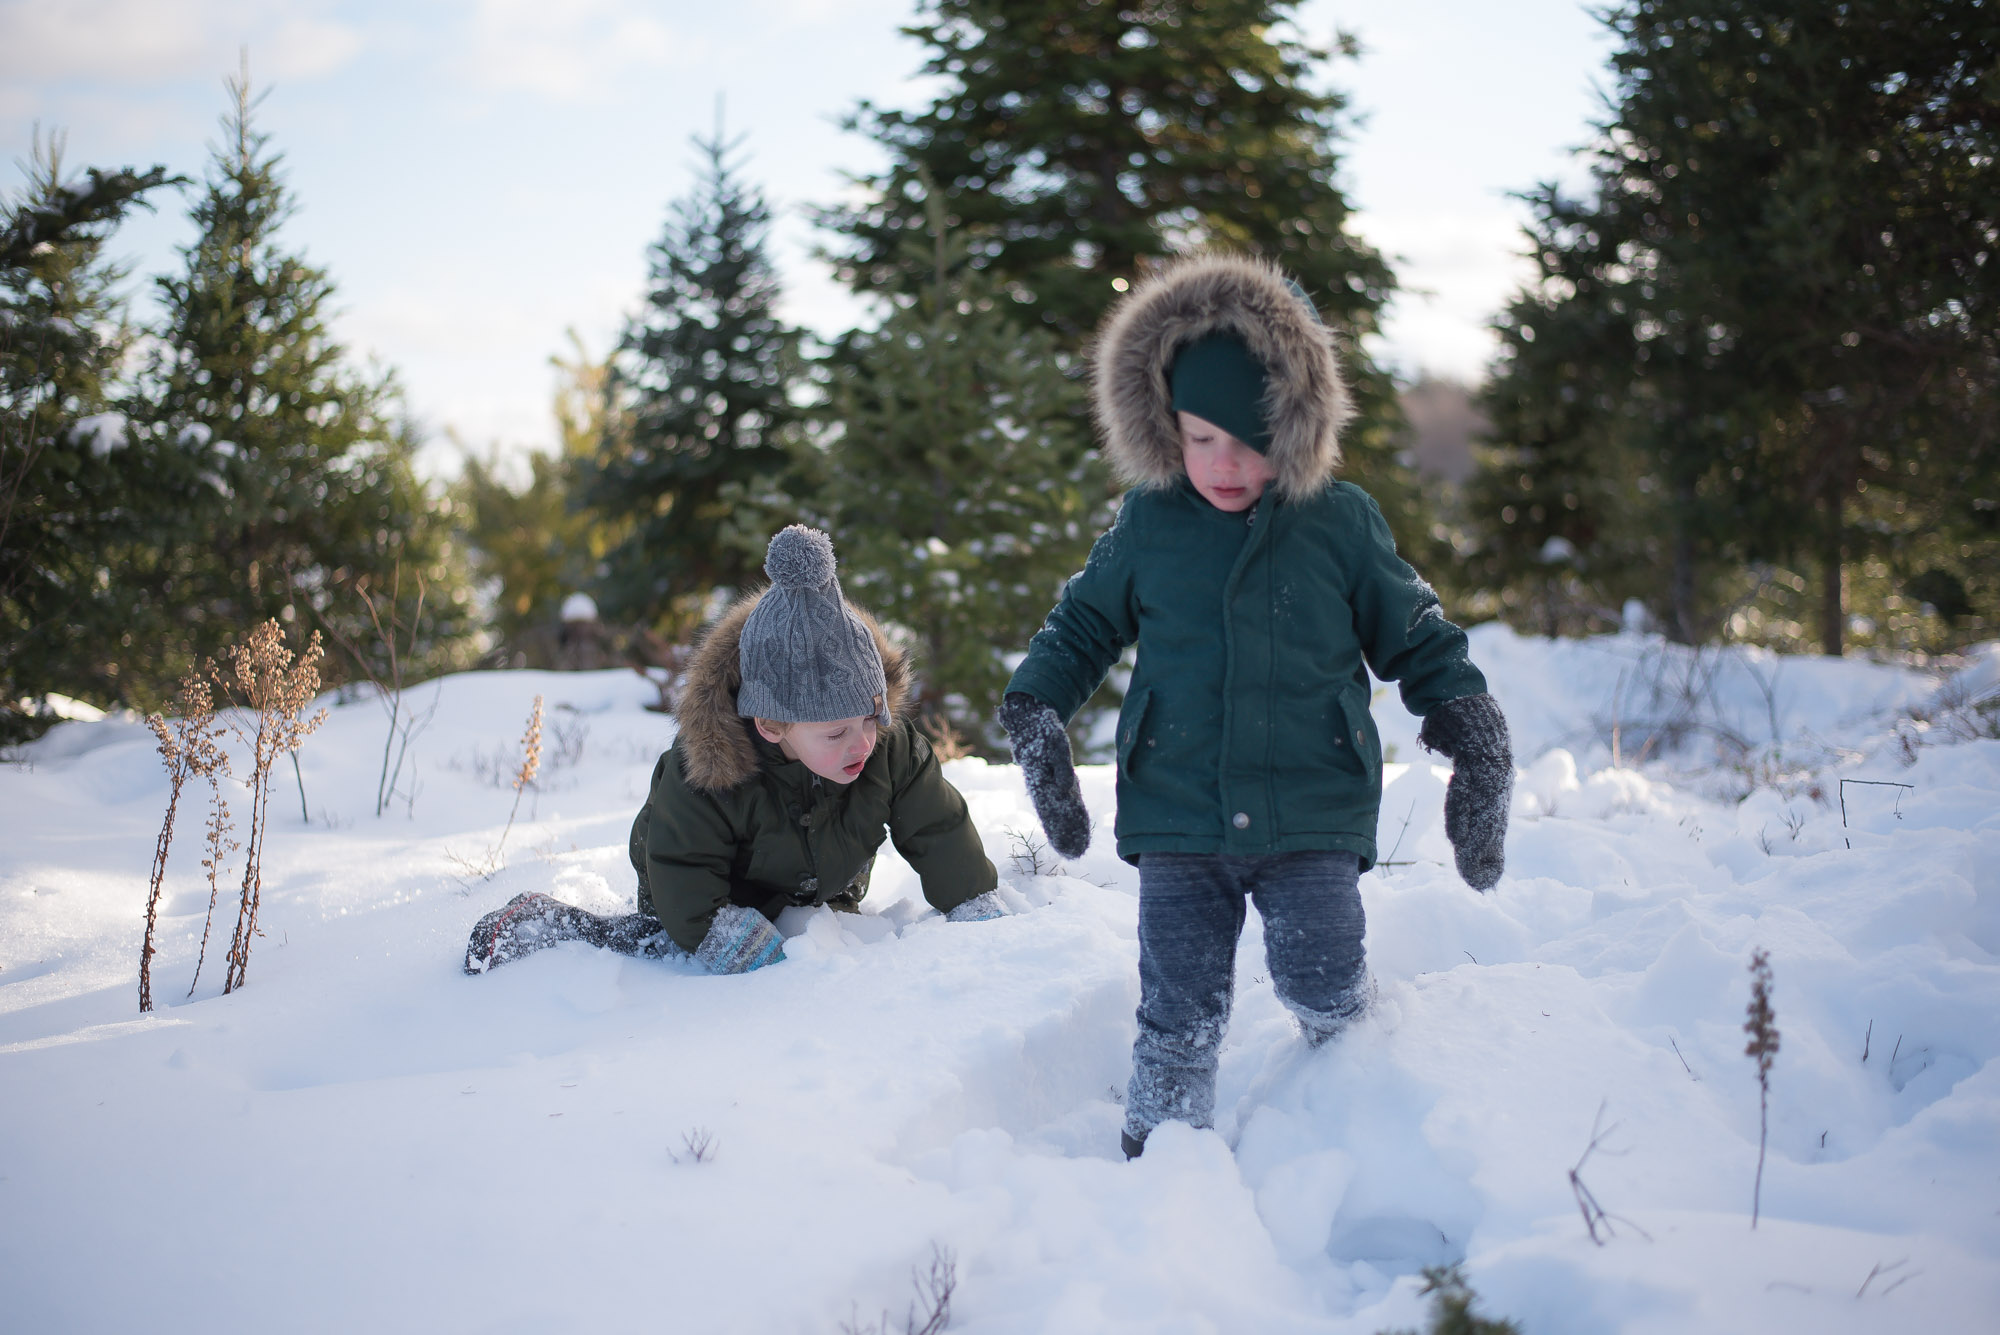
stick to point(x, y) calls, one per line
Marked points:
point(101, 433)
point(364, 1137)
point(579, 607)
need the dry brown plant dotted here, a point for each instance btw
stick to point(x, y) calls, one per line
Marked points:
point(268, 680)
point(531, 764)
point(189, 747)
point(1762, 1026)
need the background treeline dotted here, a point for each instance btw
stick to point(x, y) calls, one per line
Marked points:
point(1750, 388)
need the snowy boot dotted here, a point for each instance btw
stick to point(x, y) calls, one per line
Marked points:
point(531, 922)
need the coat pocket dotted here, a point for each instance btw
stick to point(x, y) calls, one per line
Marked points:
point(1131, 725)
point(1360, 732)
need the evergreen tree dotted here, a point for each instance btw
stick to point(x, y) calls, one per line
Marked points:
point(319, 492)
point(962, 486)
point(1793, 217)
point(1073, 142)
point(79, 490)
point(701, 394)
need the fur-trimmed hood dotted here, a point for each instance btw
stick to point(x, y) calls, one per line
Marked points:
point(1307, 400)
point(716, 743)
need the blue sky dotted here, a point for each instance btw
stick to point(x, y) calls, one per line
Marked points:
point(482, 175)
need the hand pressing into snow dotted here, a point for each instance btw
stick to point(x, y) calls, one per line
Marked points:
point(1041, 749)
point(979, 908)
point(1472, 732)
point(739, 940)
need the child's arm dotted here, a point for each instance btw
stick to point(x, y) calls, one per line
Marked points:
point(689, 844)
point(933, 830)
point(1065, 664)
point(1089, 627)
point(1401, 625)
point(1407, 640)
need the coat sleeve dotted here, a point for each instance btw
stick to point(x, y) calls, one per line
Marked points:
point(933, 830)
point(1401, 624)
point(1095, 619)
point(690, 845)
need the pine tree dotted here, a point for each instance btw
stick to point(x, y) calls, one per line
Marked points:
point(701, 394)
point(962, 485)
point(319, 492)
point(1075, 142)
point(79, 489)
point(1793, 217)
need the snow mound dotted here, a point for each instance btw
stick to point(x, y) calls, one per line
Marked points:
point(365, 1138)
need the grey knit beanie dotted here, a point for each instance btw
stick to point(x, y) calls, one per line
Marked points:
point(806, 657)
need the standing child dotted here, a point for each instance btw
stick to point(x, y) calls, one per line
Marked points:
point(794, 758)
point(1259, 592)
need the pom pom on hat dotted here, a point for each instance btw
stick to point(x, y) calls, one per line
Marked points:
point(799, 558)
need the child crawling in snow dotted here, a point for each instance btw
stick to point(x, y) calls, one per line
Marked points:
point(1259, 592)
point(795, 755)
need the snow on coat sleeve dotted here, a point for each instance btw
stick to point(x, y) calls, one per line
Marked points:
point(1090, 626)
point(1401, 625)
point(932, 828)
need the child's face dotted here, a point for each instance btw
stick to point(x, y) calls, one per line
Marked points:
point(835, 751)
point(1229, 474)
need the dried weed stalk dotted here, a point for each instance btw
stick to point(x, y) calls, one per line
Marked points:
point(531, 764)
point(189, 748)
point(266, 679)
point(1763, 1030)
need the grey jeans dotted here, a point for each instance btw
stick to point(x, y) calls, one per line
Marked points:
point(1191, 911)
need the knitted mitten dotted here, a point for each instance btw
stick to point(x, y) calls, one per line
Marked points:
point(1472, 731)
point(739, 940)
point(979, 908)
point(1041, 749)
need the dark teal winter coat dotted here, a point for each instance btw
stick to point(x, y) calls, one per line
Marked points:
point(1245, 728)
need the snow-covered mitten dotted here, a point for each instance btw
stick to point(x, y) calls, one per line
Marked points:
point(1472, 731)
point(739, 940)
point(1041, 749)
point(979, 908)
point(526, 924)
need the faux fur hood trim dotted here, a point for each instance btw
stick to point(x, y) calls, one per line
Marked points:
point(717, 752)
point(1307, 400)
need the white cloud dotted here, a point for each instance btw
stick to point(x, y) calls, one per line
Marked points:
point(569, 51)
point(152, 42)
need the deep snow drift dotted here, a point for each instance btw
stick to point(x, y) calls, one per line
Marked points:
point(365, 1138)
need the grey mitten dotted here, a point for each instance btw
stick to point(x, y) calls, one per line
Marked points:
point(1472, 731)
point(739, 940)
point(1041, 749)
point(979, 908)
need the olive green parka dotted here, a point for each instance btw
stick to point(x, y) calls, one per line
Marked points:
point(1245, 727)
point(730, 820)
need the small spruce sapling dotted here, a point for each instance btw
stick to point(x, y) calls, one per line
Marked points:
point(1451, 1306)
point(1763, 1030)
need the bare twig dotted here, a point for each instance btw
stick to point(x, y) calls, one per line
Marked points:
point(1684, 1061)
point(930, 1312)
point(1594, 1215)
point(1878, 1270)
point(1867, 1039)
point(698, 1144)
point(1868, 783)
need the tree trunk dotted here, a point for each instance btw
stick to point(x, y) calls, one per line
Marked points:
point(1833, 618)
point(1680, 592)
